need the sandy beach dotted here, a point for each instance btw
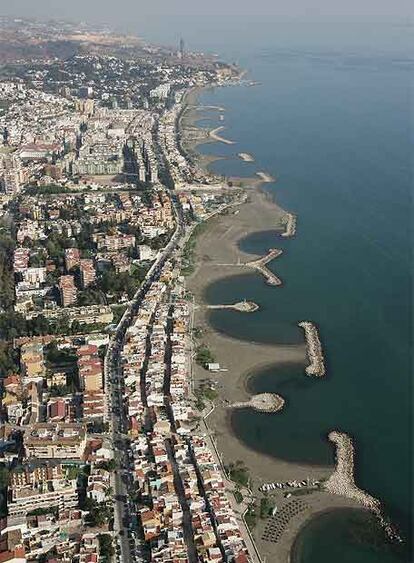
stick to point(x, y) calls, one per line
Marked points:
point(193, 135)
point(218, 245)
point(217, 255)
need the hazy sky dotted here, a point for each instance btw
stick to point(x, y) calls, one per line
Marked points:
point(227, 26)
point(120, 11)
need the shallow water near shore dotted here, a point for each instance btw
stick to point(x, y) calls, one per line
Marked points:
point(256, 429)
point(331, 530)
point(338, 140)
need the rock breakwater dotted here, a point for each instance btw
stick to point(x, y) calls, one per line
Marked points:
point(263, 402)
point(245, 156)
point(314, 348)
point(290, 228)
point(342, 482)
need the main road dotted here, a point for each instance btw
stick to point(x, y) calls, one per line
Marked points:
point(130, 549)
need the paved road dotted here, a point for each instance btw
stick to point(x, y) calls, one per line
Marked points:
point(187, 526)
point(130, 550)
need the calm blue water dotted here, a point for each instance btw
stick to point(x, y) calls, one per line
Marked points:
point(335, 131)
point(331, 119)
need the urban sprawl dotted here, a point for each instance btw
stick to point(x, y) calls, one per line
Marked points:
point(103, 453)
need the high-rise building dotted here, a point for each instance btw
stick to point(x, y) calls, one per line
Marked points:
point(181, 51)
point(67, 290)
point(90, 368)
point(72, 258)
point(12, 174)
point(87, 272)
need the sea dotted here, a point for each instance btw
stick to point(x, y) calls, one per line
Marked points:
point(329, 118)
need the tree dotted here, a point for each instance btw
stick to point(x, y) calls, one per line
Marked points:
point(90, 296)
point(59, 390)
point(251, 516)
point(109, 493)
point(8, 363)
point(99, 513)
point(46, 190)
point(204, 356)
point(4, 477)
point(37, 259)
point(39, 325)
point(76, 327)
point(62, 325)
point(12, 325)
point(106, 547)
point(97, 427)
point(238, 473)
point(110, 465)
point(7, 245)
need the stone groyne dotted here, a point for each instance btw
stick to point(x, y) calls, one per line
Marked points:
point(261, 266)
point(214, 134)
point(290, 229)
point(342, 482)
point(314, 348)
point(263, 402)
point(245, 156)
point(265, 177)
point(241, 307)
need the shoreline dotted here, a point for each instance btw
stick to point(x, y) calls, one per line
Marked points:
point(214, 134)
point(296, 544)
point(193, 136)
point(218, 244)
point(218, 256)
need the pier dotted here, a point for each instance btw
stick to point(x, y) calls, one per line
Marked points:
point(290, 228)
point(263, 402)
point(203, 108)
point(260, 266)
point(214, 134)
point(241, 307)
point(314, 348)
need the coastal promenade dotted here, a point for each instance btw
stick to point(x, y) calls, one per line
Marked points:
point(238, 509)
